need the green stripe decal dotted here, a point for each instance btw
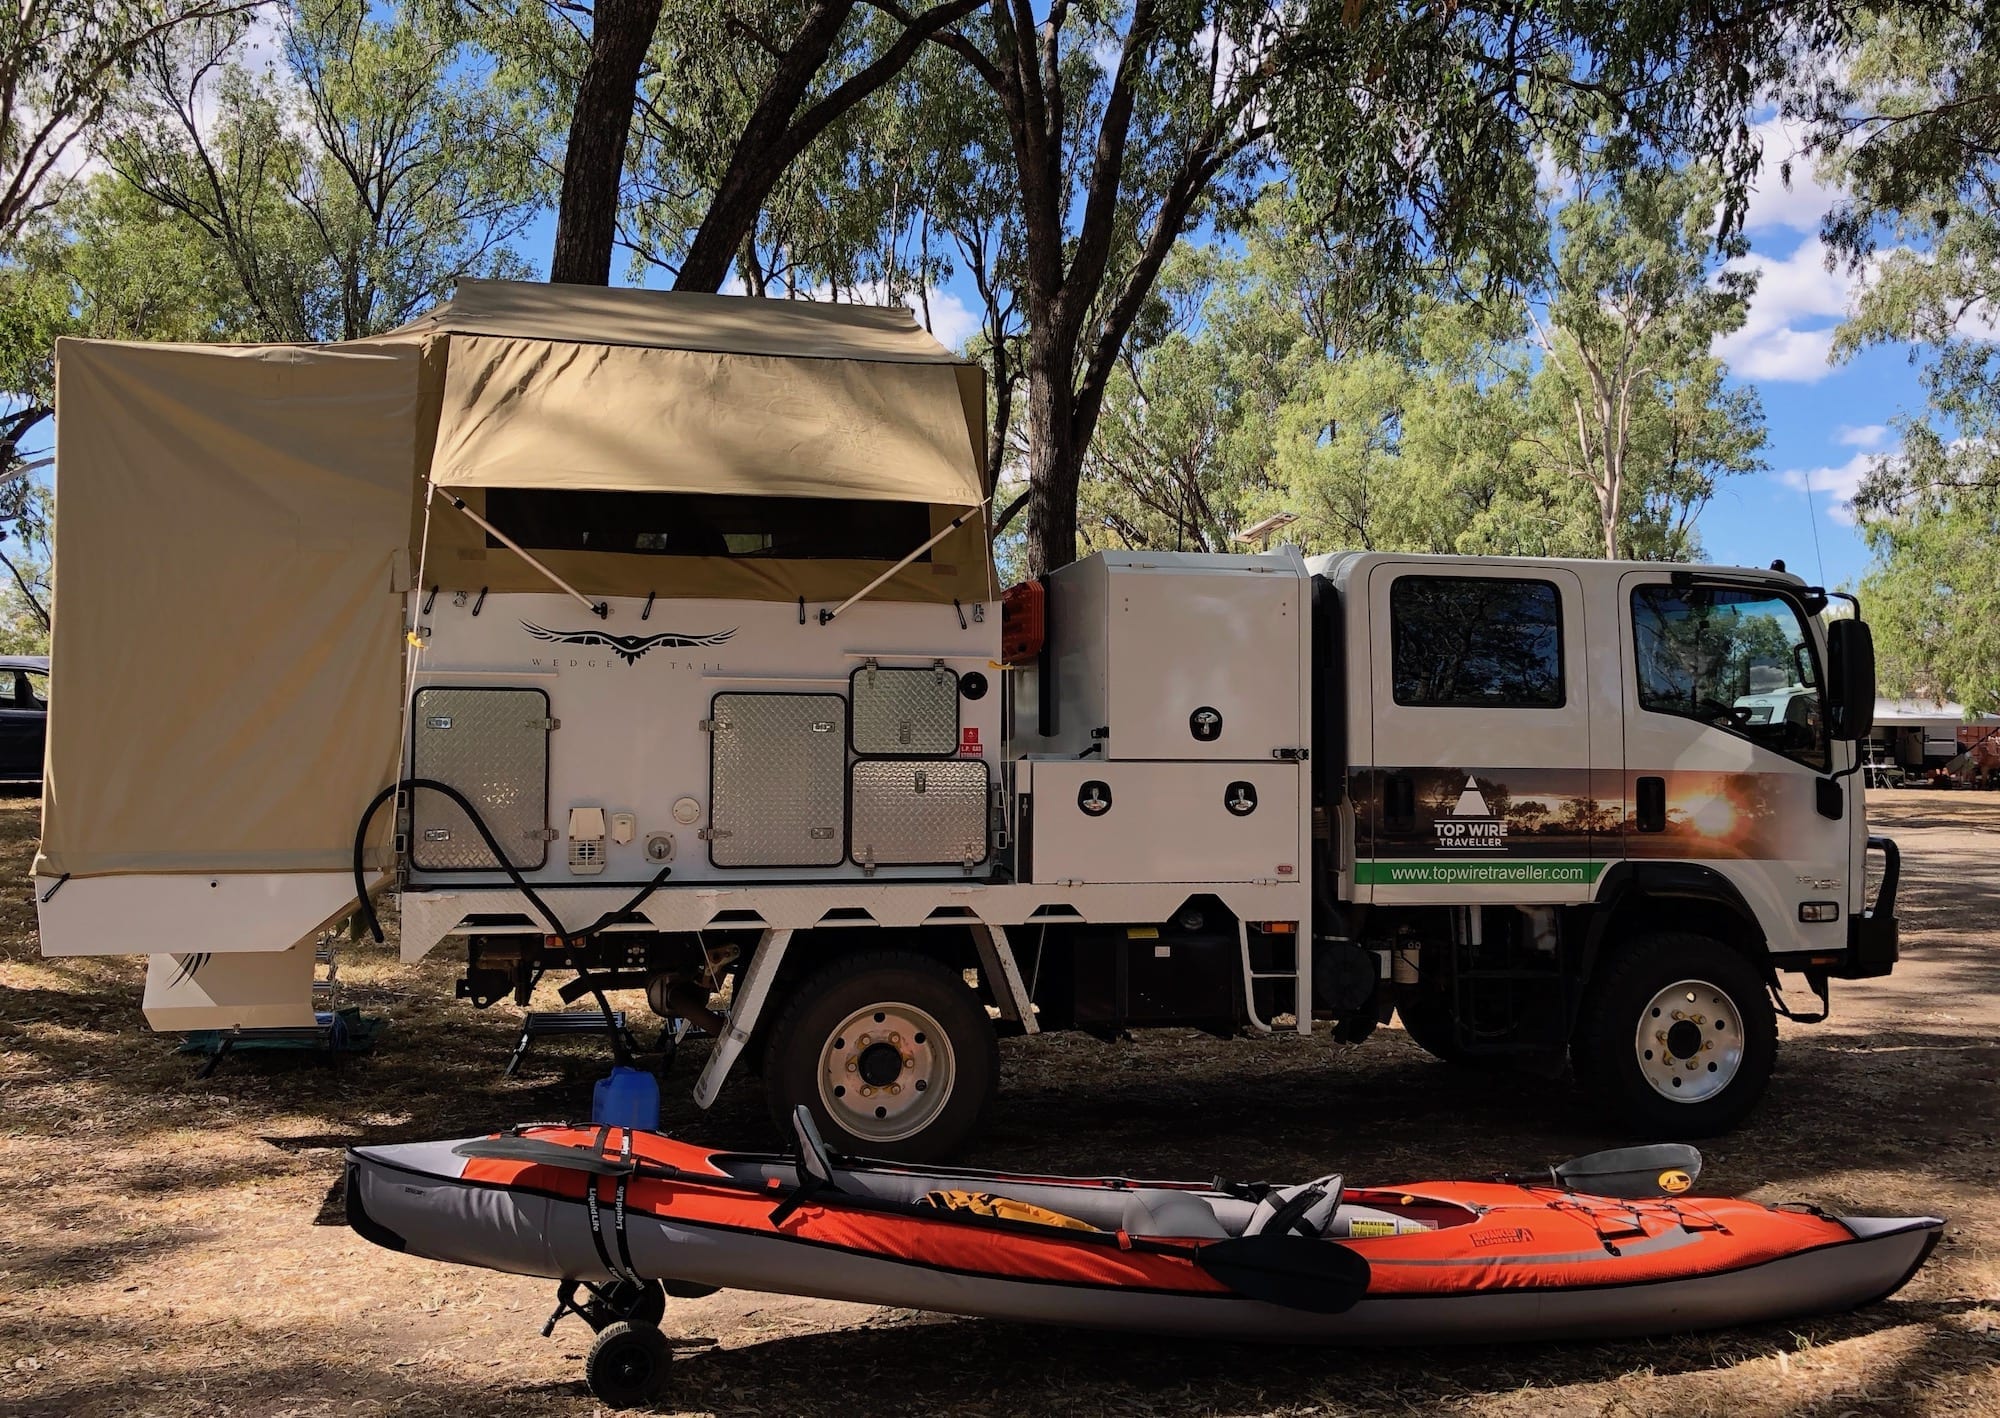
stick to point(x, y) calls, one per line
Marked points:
point(1494, 871)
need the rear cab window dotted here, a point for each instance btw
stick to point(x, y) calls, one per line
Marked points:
point(1476, 642)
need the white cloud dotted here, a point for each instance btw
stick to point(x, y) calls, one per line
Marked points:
point(1790, 329)
point(1797, 206)
point(1832, 488)
point(1867, 435)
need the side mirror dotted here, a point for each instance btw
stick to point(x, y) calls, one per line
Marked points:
point(1850, 674)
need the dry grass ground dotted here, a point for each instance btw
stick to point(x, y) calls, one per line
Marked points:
point(173, 1247)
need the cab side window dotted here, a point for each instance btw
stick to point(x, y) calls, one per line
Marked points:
point(1476, 642)
point(1734, 658)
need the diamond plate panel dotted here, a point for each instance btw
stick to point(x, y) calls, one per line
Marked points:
point(777, 790)
point(919, 813)
point(491, 744)
point(905, 712)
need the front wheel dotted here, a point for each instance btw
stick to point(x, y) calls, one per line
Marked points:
point(1678, 1036)
point(891, 1051)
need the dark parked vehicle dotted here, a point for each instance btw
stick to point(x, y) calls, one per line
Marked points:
point(24, 715)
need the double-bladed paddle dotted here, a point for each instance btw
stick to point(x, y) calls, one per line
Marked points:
point(1298, 1272)
point(546, 1154)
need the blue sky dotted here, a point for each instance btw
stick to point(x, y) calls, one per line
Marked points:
point(1825, 421)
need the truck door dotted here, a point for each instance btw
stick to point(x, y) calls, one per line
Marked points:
point(1725, 746)
point(1479, 790)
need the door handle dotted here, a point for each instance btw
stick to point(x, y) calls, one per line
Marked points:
point(1399, 803)
point(1652, 805)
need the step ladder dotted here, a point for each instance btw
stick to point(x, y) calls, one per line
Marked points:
point(1299, 976)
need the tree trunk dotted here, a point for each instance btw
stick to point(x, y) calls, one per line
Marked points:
point(594, 162)
point(1055, 461)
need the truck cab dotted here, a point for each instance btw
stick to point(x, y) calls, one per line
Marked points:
point(1601, 808)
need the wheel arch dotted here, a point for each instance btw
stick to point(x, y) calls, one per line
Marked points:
point(1643, 898)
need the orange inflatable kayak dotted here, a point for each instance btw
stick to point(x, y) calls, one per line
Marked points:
point(624, 1212)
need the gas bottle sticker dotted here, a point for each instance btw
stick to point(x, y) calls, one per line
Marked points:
point(968, 742)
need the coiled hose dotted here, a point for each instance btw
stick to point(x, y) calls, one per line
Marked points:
point(569, 938)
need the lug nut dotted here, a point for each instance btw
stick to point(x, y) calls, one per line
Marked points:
point(866, 1091)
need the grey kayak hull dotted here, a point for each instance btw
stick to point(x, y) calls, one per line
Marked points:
point(409, 1199)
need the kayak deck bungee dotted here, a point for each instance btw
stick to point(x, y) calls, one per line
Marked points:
point(1320, 1263)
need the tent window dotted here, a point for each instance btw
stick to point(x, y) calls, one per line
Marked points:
point(697, 524)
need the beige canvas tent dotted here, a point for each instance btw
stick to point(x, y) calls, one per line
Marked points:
point(239, 527)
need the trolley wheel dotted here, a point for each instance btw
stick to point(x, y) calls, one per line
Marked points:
point(627, 1366)
point(890, 1050)
point(644, 1302)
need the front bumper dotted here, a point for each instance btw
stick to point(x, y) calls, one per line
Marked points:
point(1872, 941)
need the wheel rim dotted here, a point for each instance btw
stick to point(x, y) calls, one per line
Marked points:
point(1689, 1043)
point(886, 1072)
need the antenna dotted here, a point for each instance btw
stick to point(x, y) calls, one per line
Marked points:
point(1812, 517)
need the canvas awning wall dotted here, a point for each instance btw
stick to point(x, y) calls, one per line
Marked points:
point(232, 534)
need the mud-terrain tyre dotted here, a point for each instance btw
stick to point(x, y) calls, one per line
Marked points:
point(1677, 1036)
point(891, 1051)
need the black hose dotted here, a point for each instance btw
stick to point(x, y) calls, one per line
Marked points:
point(570, 940)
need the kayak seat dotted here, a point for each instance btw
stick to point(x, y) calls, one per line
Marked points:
point(1302, 1210)
point(1162, 1211)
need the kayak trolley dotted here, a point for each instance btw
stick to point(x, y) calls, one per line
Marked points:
point(627, 1363)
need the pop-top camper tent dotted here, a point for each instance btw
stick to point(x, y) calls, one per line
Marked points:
point(240, 527)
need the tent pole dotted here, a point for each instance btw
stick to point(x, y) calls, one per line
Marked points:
point(959, 521)
point(600, 609)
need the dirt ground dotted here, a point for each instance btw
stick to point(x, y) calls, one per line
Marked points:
point(173, 1246)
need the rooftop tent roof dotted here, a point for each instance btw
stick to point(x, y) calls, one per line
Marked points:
point(679, 320)
point(712, 394)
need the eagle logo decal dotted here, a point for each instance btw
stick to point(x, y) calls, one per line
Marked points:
point(626, 647)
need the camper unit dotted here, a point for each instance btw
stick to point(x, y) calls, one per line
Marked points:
point(639, 641)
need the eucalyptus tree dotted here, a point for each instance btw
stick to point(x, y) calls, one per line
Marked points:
point(1909, 129)
point(347, 183)
point(1632, 403)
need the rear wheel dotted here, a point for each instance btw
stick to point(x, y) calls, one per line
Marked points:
point(891, 1051)
point(1678, 1036)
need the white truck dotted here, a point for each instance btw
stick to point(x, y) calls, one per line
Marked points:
point(652, 641)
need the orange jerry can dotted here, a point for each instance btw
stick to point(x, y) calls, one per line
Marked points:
point(1023, 622)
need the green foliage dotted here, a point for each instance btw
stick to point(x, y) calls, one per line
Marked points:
point(62, 63)
point(1628, 399)
point(1910, 129)
point(1441, 418)
point(339, 187)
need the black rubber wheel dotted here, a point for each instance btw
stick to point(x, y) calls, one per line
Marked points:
point(891, 1051)
point(643, 1303)
point(1678, 1036)
point(1431, 1028)
point(627, 1366)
